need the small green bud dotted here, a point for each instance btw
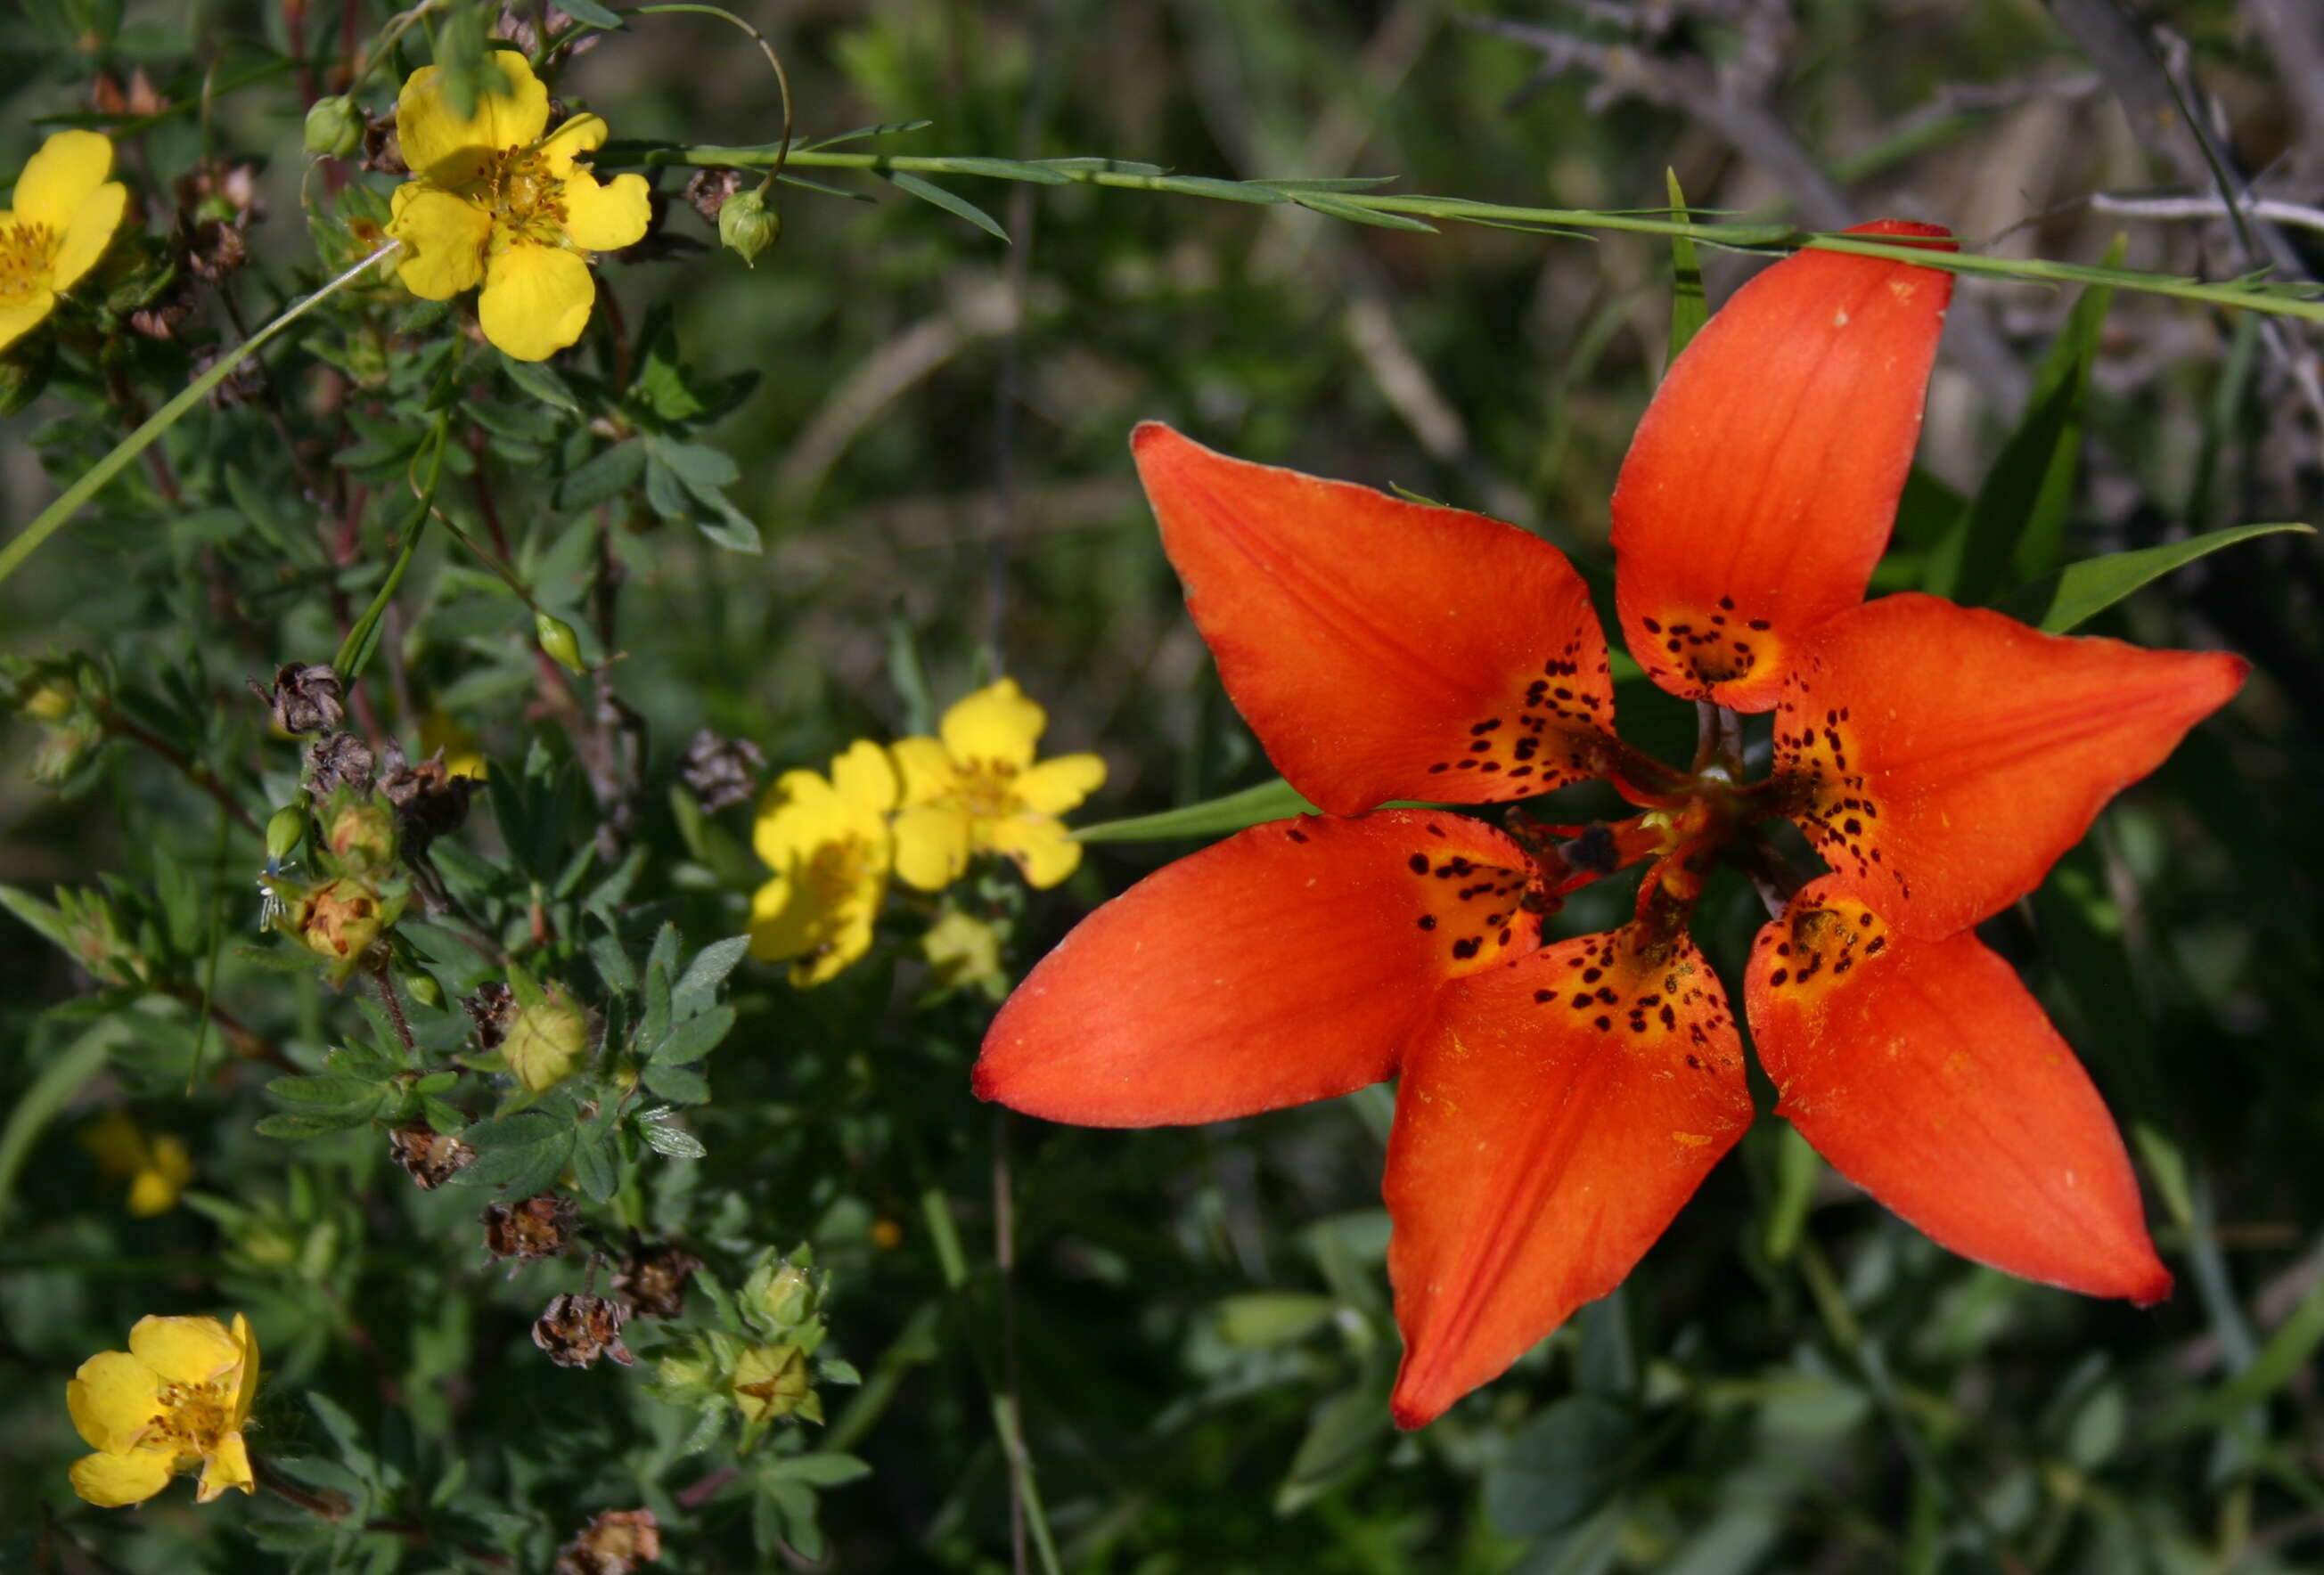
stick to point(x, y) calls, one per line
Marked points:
point(545, 1041)
point(424, 990)
point(748, 227)
point(286, 828)
point(556, 637)
point(334, 127)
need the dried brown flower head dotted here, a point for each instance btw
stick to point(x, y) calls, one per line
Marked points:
point(575, 1330)
point(652, 1278)
point(493, 1008)
point(428, 1157)
point(539, 1227)
point(304, 699)
point(613, 1543)
point(722, 770)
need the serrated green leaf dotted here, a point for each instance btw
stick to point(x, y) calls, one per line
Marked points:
point(697, 987)
point(1340, 1440)
point(680, 1084)
point(1274, 800)
point(690, 1039)
point(670, 1141)
point(596, 1167)
point(819, 1471)
point(603, 475)
point(324, 1089)
point(952, 203)
point(523, 1152)
point(2079, 592)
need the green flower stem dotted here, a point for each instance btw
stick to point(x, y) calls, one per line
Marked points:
point(1398, 210)
point(363, 638)
point(92, 481)
point(783, 78)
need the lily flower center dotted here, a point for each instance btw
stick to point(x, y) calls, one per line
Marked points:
point(525, 197)
point(27, 251)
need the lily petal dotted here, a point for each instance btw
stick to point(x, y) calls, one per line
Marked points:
point(1562, 1110)
point(1929, 1076)
point(1945, 757)
point(1763, 480)
point(1379, 648)
point(1292, 961)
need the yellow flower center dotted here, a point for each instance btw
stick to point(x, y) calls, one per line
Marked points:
point(193, 1418)
point(27, 252)
point(839, 870)
point(987, 790)
point(526, 199)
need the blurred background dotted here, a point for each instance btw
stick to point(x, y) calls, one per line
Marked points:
point(936, 443)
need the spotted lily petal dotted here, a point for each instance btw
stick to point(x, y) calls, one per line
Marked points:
point(1292, 961)
point(1944, 756)
point(1929, 1077)
point(1379, 648)
point(1561, 1110)
point(1760, 488)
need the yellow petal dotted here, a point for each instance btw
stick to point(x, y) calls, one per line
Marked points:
point(864, 776)
point(579, 134)
point(226, 1465)
point(60, 178)
point(113, 1398)
point(87, 234)
point(1040, 847)
point(110, 1481)
point(926, 768)
point(150, 1193)
point(536, 300)
point(438, 143)
point(606, 218)
point(996, 724)
point(932, 844)
point(21, 316)
point(185, 1351)
point(445, 236)
point(247, 1390)
point(789, 920)
point(116, 1141)
point(800, 814)
point(847, 939)
point(1054, 787)
point(769, 936)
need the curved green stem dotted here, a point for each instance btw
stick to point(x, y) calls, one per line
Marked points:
point(1411, 212)
point(92, 481)
point(782, 79)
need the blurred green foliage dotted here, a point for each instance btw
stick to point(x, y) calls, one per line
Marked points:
point(818, 499)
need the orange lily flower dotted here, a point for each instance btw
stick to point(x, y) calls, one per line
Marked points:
point(1560, 1101)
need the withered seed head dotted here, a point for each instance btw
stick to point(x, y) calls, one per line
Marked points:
point(613, 1543)
point(428, 1157)
point(336, 760)
point(539, 1227)
point(707, 191)
point(304, 699)
point(494, 1008)
point(722, 770)
point(652, 1278)
point(575, 1330)
point(429, 801)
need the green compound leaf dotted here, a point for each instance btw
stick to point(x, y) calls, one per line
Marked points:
point(2079, 592)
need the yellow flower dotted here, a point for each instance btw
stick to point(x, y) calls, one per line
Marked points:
point(65, 214)
point(964, 953)
point(176, 1399)
point(158, 1167)
point(827, 843)
point(977, 790)
point(493, 202)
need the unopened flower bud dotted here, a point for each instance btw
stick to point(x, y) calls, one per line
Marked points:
point(334, 127)
point(426, 991)
point(286, 828)
point(748, 227)
point(339, 920)
point(556, 638)
point(545, 1041)
point(359, 830)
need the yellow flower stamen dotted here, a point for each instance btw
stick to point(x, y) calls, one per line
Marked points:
point(27, 251)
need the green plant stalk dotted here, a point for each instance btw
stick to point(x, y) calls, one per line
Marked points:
point(92, 481)
point(1741, 237)
point(363, 637)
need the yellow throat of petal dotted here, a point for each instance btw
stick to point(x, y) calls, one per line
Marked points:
point(28, 254)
